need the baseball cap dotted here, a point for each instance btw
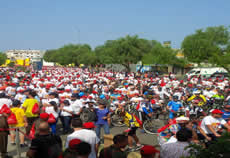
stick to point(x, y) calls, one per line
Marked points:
point(89, 125)
point(182, 118)
point(44, 115)
point(217, 111)
point(74, 142)
point(148, 150)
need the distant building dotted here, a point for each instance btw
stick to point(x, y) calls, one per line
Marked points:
point(33, 55)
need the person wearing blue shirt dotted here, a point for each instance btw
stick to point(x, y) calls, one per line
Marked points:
point(147, 109)
point(173, 106)
point(226, 113)
point(115, 95)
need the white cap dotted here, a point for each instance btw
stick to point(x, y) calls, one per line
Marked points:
point(182, 118)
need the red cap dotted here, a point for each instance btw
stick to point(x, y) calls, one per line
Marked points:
point(217, 111)
point(94, 92)
point(44, 115)
point(74, 142)
point(89, 125)
point(148, 150)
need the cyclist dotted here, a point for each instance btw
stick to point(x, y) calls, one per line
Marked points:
point(174, 106)
point(198, 96)
point(211, 125)
point(218, 99)
point(194, 109)
point(133, 124)
point(146, 107)
point(219, 95)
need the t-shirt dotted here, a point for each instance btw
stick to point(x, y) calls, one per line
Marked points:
point(174, 105)
point(100, 114)
point(214, 122)
point(6, 101)
point(50, 110)
point(130, 120)
point(87, 136)
point(20, 114)
point(76, 106)
point(64, 113)
point(47, 146)
point(29, 104)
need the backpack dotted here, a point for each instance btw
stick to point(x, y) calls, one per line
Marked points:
point(12, 119)
point(35, 109)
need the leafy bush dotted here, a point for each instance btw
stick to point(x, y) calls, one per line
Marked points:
point(219, 149)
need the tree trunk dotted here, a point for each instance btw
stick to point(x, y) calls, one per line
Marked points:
point(127, 67)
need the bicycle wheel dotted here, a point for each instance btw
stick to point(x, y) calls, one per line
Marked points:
point(151, 126)
point(117, 121)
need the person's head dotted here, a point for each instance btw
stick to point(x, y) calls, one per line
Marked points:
point(148, 151)
point(32, 94)
point(120, 140)
point(76, 123)
point(90, 104)
point(52, 95)
point(26, 92)
point(175, 98)
point(227, 108)
point(184, 135)
point(43, 128)
point(83, 150)
point(66, 103)
point(77, 149)
point(16, 103)
point(216, 113)
point(54, 104)
point(101, 104)
point(74, 97)
point(182, 121)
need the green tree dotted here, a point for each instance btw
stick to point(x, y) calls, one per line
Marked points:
point(2, 58)
point(210, 45)
point(125, 51)
point(162, 55)
point(68, 54)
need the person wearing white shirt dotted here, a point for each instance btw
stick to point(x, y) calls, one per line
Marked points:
point(76, 105)
point(88, 136)
point(4, 100)
point(66, 116)
point(52, 108)
point(211, 124)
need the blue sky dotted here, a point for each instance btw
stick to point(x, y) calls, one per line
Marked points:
point(48, 24)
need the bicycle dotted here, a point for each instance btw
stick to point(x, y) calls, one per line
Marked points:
point(151, 125)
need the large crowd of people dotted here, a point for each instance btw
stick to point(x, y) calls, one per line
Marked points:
point(33, 102)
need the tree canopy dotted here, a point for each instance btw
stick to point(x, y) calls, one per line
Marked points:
point(69, 54)
point(125, 51)
point(2, 58)
point(210, 45)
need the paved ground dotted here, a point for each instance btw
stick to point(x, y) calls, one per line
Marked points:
point(144, 139)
